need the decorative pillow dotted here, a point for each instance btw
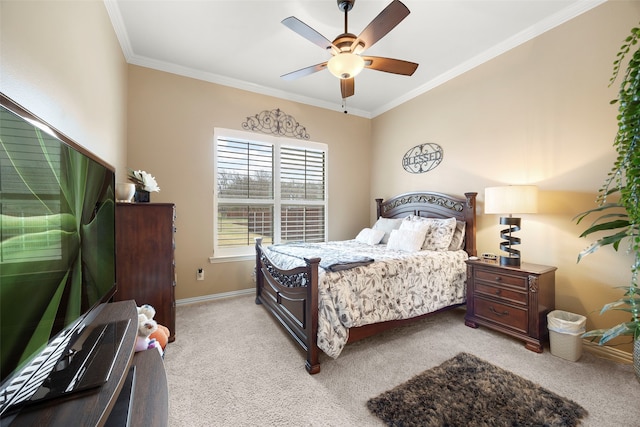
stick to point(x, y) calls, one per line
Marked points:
point(370, 236)
point(457, 241)
point(386, 225)
point(405, 240)
point(440, 235)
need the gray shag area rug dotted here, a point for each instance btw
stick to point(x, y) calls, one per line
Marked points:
point(468, 391)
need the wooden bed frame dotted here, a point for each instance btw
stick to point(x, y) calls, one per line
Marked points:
point(291, 296)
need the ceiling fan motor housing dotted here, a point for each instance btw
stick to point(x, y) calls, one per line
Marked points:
point(344, 41)
point(345, 5)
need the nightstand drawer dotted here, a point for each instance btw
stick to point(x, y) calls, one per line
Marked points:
point(500, 278)
point(503, 314)
point(504, 294)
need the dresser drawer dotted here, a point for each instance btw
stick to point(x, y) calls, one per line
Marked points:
point(504, 294)
point(501, 278)
point(503, 314)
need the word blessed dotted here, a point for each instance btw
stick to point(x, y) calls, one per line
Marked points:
point(422, 158)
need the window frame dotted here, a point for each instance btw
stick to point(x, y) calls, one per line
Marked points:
point(277, 142)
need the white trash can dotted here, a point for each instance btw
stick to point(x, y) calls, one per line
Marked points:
point(565, 334)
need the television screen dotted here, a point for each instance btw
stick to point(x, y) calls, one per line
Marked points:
point(57, 247)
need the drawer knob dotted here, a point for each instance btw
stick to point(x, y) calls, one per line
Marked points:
point(498, 278)
point(493, 310)
point(498, 291)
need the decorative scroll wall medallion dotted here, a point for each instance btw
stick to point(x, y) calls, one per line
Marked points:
point(276, 122)
point(422, 158)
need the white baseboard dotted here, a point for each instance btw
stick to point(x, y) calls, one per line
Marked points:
point(607, 352)
point(213, 297)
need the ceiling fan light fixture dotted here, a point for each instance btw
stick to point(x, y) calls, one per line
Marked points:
point(345, 65)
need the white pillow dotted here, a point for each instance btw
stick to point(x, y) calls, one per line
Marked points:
point(370, 236)
point(405, 240)
point(415, 225)
point(386, 225)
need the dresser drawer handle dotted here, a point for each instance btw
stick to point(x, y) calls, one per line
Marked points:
point(498, 278)
point(498, 291)
point(493, 310)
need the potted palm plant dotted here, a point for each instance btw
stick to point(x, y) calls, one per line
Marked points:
point(620, 218)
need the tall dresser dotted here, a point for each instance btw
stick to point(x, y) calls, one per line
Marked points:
point(145, 263)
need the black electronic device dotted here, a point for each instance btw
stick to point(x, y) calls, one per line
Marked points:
point(57, 262)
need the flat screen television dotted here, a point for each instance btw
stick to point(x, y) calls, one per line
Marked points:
point(57, 263)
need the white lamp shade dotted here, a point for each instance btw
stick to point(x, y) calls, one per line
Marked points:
point(511, 199)
point(345, 65)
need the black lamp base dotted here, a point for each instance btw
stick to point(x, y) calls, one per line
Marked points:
point(513, 259)
point(510, 261)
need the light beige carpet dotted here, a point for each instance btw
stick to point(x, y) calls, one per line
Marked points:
point(231, 365)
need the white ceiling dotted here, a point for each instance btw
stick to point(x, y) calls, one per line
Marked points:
point(241, 43)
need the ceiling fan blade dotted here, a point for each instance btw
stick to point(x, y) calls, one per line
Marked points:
point(386, 21)
point(308, 33)
point(389, 65)
point(304, 71)
point(347, 87)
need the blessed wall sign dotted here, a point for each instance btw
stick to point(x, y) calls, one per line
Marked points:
point(422, 158)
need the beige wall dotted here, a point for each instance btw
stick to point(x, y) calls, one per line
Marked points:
point(61, 60)
point(171, 123)
point(538, 114)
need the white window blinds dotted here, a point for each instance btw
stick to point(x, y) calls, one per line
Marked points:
point(267, 187)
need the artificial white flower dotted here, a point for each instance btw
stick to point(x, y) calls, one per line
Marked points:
point(143, 180)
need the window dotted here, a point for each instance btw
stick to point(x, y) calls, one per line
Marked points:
point(270, 187)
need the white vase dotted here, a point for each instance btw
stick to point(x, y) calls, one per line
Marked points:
point(125, 192)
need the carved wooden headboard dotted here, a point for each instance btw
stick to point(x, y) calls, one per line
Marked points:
point(434, 205)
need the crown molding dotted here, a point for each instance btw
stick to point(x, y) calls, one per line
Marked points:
point(541, 27)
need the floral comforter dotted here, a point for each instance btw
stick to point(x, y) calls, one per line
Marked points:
point(398, 285)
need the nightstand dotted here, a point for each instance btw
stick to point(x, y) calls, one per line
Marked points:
point(512, 300)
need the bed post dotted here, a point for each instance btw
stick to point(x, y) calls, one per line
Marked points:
point(312, 364)
point(470, 219)
point(378, 208)
point(258, 271)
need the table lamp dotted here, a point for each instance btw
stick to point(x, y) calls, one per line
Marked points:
point(511, 199)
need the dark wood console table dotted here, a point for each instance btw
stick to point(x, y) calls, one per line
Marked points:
point(146, 400)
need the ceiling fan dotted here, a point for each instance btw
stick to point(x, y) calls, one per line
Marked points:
point(346, 50)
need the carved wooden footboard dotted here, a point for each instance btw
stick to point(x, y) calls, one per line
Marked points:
point(291, 296)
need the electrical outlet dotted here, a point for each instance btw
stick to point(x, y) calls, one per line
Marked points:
point(200, 274)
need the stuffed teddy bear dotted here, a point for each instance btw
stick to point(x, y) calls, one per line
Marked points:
point(161, 333)
point(147, 310)
point(145, 328)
